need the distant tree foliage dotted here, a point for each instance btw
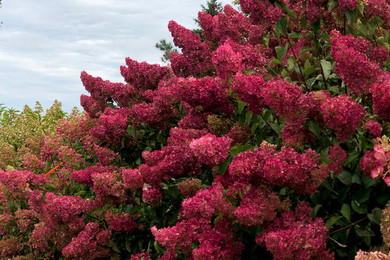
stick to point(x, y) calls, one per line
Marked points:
point(213, 7)
point(167, 48)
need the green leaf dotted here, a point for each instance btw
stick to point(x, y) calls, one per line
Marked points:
point(356, 179)
point(275, 61)
point(305, 49)
point(368, 182)
point(360, 7)
point(352, 158)
point(238, 149)
point(50, 187)
point(359, 208)
point(375, 216)
point(285, 8)
point(346, 211)
point(332, 221)
point(115, 248)
point(254, 127)
point(315, 210)
point(351, 15)
point(281, 26)
point(377, 20)
point(240, 106)
point(315, 128)
point(223, 166)
point(280, 52)
point(332, 5)
point(248, 117)
point(316, 26)
point(383, 199)
point(219, 217)
point(326, 67)
point(303, 22)
point(363, 232)
point(361, 195)
point(308, 69)
point(290, 63)
point(131, 131)
point(345, 177)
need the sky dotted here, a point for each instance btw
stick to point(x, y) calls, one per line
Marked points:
point(44, 45)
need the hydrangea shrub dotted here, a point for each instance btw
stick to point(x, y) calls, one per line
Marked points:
point(263, 137)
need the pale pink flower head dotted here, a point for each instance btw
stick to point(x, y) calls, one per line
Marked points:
point(373, 128)
point(377, 171)
point(227, 61)
point(211, 150)
point(343, 115)
point(380, 97)
point(132, 179)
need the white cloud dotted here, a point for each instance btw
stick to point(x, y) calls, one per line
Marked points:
point(46, 44)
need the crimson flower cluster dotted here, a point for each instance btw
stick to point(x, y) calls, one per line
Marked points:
point(375, 163)
point(296, 236)
point(343, 115)
point(353, 65)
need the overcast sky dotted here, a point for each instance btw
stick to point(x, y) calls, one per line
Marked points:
point(44, 45)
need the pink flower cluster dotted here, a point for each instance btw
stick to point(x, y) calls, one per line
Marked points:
point(132, 179)
point(159, 110)
point(211, 150)
point(171, 161)
point(109, 189)
point(288, 168)
point(296, 236)
point(352, 64)
point(18, 182)
point(196, 57)
point(254, 56)
point(189, 187)
point(179, 136)
point(89, 243)
point(260, 11)
point(343, 115)
point(112, 125)
point(213, 242)
point(207, 204)
point(283, 97)
point(26, 219)
point(337, 157)
point(141, 256)
point(375, 163)
point(121, 222)
point(380, 97)
point(206, 93)
point(63, 210)
point(60, 219)
point(9, 247)
point(348, 4)
point(259, 206)
point(379, 8)
point(249, 88)
point(84, 176)
point(151, 196)
point(373, 128)
point(239, 134)
point(247, 167)
point(230, 24)
point(226, 61)
point(291, 169)
point(101, 90)
point(144, 76)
